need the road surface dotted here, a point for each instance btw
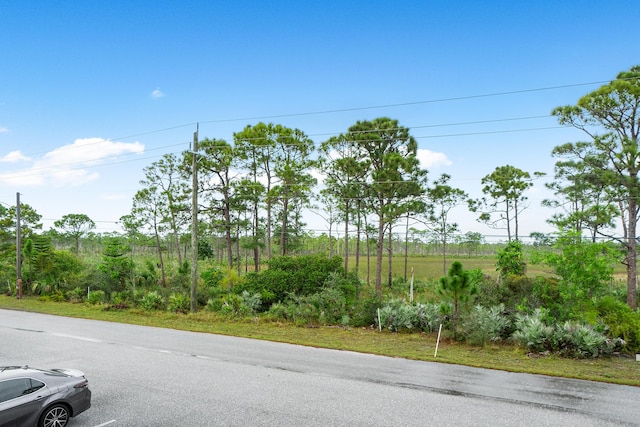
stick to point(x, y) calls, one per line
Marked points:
point(146, 376)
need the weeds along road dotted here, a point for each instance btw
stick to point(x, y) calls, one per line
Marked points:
point(144, 376)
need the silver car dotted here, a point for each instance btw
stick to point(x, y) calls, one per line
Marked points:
point(44, 398)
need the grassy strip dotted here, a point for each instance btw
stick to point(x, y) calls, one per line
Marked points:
point(618, 370)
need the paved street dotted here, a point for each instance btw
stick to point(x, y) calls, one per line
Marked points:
point(143, 376)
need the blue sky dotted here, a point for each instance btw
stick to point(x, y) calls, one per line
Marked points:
point(92, 92)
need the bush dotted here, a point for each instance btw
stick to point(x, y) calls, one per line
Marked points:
point(57, 296)
point(398, 315)
point(96, 297)
point(348, 285)
point(428, 316)
point(325, 307)
point(511, 260)
point(365, 312)
point(251, 302)
point(239, 305)
point(303, 275)
point(212, 277)
point(152, 301)
point(179, 303)
point(482, 325)
point(581, 341)
point(569, 339)
point(76, 295)
point(121, 299)
point(621, 322)
point(532, 331)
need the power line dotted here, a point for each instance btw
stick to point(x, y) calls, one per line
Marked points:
point(29, 172)
point(404, 104)
point(23, 173)
point(372, 107)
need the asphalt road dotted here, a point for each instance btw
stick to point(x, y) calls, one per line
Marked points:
point(144, 376)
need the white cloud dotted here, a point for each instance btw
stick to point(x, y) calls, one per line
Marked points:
point(69, 164)
point(14, 157)
point(157, 93)
point(429, 159)
point(318, 175)
point(4, 130)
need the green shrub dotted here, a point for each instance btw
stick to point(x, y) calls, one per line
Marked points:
point(511, 260)
point(214, 304)
point(303, 275)
point(348, 285)
point(621, 322)
point(277, 311)
point(121, 298)
point(365, 311)
point(76, 295)
point(239, 305)
point(96, 297)
point(482, 324)
point(212, 276)
point(569, 339)
point(581, 341)
point(179, 303)
point(532, 331)
point(251, 302)
point(331, 306)
point(152, 301)
point(57, 296)
point(325, 307)
point(428, 317)
point(398, 315)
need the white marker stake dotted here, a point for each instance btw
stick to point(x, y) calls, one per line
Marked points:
point(379, 324)
point(438, 341)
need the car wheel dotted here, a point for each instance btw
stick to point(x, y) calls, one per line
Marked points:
point(55, 416)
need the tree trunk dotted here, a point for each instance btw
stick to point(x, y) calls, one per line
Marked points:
point(506, 211)
point(515, 217)
point(283, 234)
point(227, 234)
point(368, 260)
point(358, 239)
point(176, 238)
point(330, 237)
point(268, 230)
point(346, 237)
point(159, 245)
point(238, 255)
point(379, 256)
point(632, 254)
point(254, 232)
point(406, 248)
point(444, 254)
point(390, 261)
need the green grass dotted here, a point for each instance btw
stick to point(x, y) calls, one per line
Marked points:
point(618, 370)
point(431, 267)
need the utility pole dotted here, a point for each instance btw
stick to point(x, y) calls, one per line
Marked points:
point(18, 249)
point(194, 223)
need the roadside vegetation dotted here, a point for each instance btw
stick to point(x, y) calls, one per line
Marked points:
point(499, 321)
point(399, 274)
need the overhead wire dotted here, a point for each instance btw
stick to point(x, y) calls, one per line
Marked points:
point(23, 173)
point(29, 172)
point(341, 110)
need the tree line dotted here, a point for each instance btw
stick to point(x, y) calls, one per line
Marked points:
point(252, 191)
